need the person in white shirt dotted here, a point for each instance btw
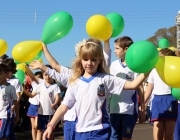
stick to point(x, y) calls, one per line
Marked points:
point(16, 83)
point(8, 97)
point(124, 107)
point(163, 105)
point(88, 89)
point(48, 93)
point(32, 112)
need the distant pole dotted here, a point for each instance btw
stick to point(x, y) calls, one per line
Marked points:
point(178, 29)
point(35, 16)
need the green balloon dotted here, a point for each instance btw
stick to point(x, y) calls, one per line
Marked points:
point(117, 23)
point(163, 43)
point(56, 27)
point(20, 75)
point(142, 56)
point(176, 93)
point(16, 62)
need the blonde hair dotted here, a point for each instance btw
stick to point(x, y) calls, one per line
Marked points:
point(91, 48)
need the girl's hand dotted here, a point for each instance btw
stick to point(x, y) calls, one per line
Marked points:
point(35, 65)
point(53, 106)
point(47, 133)
point(44, 47)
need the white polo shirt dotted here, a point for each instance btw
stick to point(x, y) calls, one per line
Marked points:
point(7, 95)
point(126, 102)
point(47, 96)
point(90, 96)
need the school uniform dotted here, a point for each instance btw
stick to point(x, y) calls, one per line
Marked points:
point(7, 95)
point(164, 105)
point(34, 102)
point(46, 99)
point(90, 99)
point(123, 107)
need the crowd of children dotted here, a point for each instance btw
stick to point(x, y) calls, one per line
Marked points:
point(96, 105)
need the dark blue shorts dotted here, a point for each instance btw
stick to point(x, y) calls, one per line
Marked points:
point(69, 130)
point(164, 107)
point(100, 134)
point(32, 111)
point(177, 127)
point(43, 120)
point(4, 123)
point(122, 125)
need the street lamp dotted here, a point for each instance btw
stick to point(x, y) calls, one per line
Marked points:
point(178, 29)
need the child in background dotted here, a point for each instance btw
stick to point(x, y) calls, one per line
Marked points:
point(48, 93)
point(8, 96)
point(16, 83)
point(163, 105)
point(89, 88)
point(34, 104)
point(124, 107)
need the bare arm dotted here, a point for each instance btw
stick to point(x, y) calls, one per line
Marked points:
point(56, 101)
point(18, 96)
point(148, 92)
point(141, 95)
point(62, 109)
point(31, 95)
point(136, 82)
point(50, 58)
point(142, 116)
point(15, 103)
point(31, 75)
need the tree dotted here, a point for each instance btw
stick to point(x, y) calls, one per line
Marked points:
point(168, 33)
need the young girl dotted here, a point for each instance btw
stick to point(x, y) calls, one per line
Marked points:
point(88, 88)
point(34, 104)
point(70, 116)
point(163, 105)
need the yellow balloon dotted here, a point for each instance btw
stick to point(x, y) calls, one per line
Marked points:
point(40, 60)
point(98, 26)
point(168, 68)
point(172, 48)
point(21, 66)
point(25, 51)
point(3, 47)
point(158, 49)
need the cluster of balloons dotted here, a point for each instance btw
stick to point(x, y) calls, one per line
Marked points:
point(105, 27)
point(142, 56)
point(57, 26)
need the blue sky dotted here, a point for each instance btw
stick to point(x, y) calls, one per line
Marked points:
point(142, 19)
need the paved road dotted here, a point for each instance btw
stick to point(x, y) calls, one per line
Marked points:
point(141, 132)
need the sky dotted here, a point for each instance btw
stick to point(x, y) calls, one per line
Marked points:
point(142, 18)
